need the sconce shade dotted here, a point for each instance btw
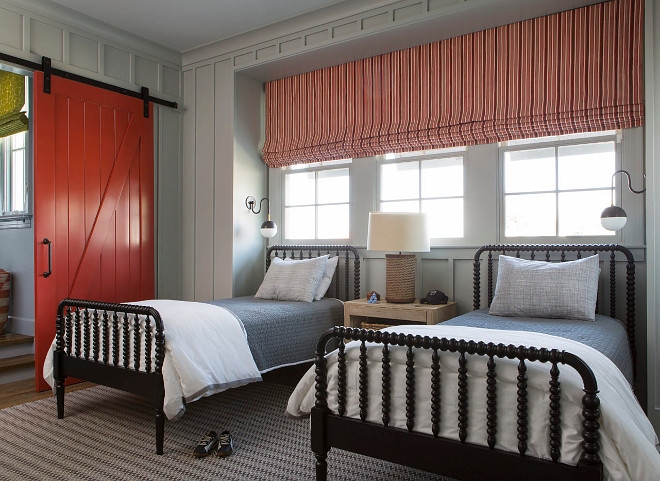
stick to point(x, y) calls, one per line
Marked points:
point(398, 231)
point(268, 229)
point(613, 218)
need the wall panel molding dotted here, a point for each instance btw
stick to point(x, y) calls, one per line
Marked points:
point(85, 46)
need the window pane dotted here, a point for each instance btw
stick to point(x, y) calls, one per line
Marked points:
point(300, 189)
point(442, 177)
point(18, 181)
point(445, 217)
point(579, 212)
point(299, 222)
point(529, 170)
point(401, 206)
point(18, 141)
point(333, 186)
point(530, 215)
point(333, 221)
point(586, 166)
point(399, 181)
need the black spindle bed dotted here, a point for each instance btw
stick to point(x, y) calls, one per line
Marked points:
point(459, 458)
point(123, 346)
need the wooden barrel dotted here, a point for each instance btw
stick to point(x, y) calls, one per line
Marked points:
point(5, 289)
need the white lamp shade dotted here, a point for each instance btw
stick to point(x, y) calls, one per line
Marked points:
point(398, 231)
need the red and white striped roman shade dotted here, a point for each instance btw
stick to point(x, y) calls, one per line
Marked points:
point(575, 71)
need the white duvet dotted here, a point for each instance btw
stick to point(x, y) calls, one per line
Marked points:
point(629, 446)
point(206, 352)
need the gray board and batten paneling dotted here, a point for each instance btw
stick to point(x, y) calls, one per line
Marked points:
point(81, 45)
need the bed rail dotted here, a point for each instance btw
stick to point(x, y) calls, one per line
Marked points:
point(560, 250)
point(460, 459)
point(118, 345)
point(310, 251)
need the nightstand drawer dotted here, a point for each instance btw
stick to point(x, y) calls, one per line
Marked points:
point(359, 311)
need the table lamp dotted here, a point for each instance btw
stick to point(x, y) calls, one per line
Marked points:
point(402, 232)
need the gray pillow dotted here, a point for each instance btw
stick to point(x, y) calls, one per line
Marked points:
point(292, 280)
point(564, 290)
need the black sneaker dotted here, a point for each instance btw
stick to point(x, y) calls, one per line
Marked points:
point(206, 445)
point(225, 445)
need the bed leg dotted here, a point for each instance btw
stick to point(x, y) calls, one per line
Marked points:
point(321, 467)
point(160, 430)
point(59, 396)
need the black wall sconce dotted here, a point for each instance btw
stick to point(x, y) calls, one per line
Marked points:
point(614, 217)
point(268, 228)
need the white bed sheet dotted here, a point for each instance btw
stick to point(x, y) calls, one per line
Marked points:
point(629, 446)
point(206, 352)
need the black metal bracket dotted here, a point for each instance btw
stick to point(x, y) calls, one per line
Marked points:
point(144, 92)
point(45, 67)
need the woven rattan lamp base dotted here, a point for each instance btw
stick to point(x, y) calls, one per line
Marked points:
point(400, 277)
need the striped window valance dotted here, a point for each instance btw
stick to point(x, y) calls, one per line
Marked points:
point(575, 71)
point(12, 99)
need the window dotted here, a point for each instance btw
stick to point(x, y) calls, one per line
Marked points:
point(13, 174)
point(559, 188)
point(432, 184)
point(316, 201)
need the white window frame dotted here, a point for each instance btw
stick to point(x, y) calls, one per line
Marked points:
point(316, 168)
point(12, 219)
point(443, 154)
point(553, 142)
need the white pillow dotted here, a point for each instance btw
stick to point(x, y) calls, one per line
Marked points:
point(563, 290)
point(330, 267)
point(292, 280)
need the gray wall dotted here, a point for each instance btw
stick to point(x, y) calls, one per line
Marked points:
point(249, 179)
point(17, 257)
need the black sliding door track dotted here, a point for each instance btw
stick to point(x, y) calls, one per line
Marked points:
point(44, 66)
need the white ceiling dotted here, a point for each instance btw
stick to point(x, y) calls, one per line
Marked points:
point(185, 24)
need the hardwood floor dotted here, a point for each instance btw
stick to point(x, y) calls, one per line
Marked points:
point(21, 392)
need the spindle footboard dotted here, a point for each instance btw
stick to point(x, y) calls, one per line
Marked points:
point(430, 452)
point(118, 345)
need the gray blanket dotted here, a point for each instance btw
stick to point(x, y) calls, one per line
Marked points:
point(283, 332)
point(605, 334)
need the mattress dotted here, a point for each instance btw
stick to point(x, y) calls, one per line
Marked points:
point(605, 334)
point(282, 333)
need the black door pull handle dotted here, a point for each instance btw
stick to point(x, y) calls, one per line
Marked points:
point(50, 260)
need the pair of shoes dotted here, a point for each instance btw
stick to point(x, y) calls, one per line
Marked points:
point(222, 444)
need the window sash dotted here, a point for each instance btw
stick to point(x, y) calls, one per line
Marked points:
point(614, 136)
point(450, 153)
point(316, 169)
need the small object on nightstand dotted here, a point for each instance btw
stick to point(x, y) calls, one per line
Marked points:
point(434, 297)
point(373, 297)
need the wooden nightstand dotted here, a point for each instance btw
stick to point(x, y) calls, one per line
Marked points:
point(359, 311)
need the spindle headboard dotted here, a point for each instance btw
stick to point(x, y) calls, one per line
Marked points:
point(557, 252)
point(349, 260)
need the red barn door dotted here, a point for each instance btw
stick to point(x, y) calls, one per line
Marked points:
point(93, 200)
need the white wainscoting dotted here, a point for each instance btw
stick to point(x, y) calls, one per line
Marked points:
point(31, 29)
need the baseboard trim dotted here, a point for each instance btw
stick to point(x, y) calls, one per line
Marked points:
point(21, 325)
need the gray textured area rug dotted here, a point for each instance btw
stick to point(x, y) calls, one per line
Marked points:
point(107, 434)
